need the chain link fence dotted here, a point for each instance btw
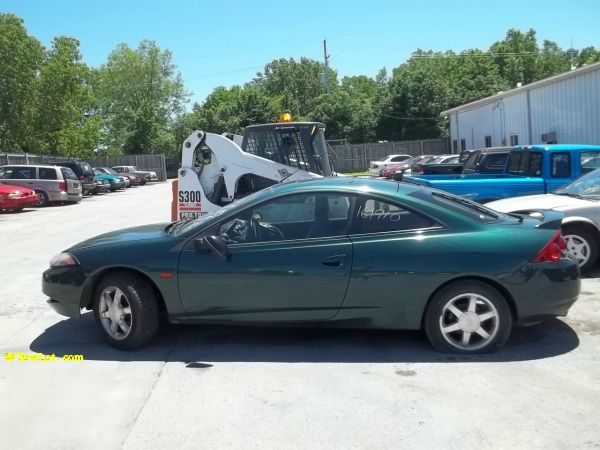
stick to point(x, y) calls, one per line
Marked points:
point(356, 157)
point(155, 163)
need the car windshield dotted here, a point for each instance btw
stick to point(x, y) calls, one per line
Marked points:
point(585, 186)
point(187, 225)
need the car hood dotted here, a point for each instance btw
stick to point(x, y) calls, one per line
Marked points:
point(144, 232)
point(9, 188)
point(534, 202)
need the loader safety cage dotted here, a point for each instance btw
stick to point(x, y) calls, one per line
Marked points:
point(296, 144)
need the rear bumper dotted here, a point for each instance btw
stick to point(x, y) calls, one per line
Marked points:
point(545, 290)
point(62, 196)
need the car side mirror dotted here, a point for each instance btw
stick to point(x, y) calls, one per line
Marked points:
point(215, 245)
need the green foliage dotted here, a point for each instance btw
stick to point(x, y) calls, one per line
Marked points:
point(140, 93)
point(64, 120)
point(21, 56)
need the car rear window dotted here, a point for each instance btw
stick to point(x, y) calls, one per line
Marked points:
point(85, 167)
point(68, 174)
point(462, 205)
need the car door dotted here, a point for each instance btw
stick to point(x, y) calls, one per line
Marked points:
point(560, 170)
point(73, 185)
point(291, 260)
point(395, 251)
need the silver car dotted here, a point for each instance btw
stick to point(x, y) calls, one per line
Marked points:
point(579, 201)
point(52, 183)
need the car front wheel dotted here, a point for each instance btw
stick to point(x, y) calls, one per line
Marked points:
point(126, 310)
point(468, 317)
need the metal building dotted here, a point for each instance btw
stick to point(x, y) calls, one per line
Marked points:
point(563, 109)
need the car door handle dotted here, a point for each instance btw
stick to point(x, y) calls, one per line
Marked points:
point(334, 261)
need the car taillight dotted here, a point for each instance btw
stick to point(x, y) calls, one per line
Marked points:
point(553, 251)
point(62, 186)
point(418, 169)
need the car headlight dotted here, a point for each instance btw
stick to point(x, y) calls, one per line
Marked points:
point(63, 259)
point(152, 174)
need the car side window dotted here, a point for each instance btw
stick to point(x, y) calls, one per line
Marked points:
point(47, 173)
point(561, 165)
point(23, 173)
point(589, 161)
point(299, 216)
point(372, 215)
point(5, 172)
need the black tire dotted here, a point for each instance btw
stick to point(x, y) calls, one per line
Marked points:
point(437, 316)
point(43, 199)
point(145, 316)
point(590, 238)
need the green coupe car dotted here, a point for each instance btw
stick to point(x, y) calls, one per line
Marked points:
point(340, 252)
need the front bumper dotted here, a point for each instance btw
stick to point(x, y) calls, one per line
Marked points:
point(102, 187)
point(64, 287)
point(117, 185)
point(19, 202)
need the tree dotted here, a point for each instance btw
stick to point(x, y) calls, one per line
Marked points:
point(588, 55)
point(140, 94)
point(296, 85)
point(516, 56)
point(21, 56)
point(65, 105)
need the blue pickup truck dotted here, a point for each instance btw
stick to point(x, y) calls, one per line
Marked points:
point(533, 169)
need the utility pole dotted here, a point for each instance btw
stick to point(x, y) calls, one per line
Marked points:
point(325, 79)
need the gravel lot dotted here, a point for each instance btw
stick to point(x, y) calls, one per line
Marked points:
point(217, 387)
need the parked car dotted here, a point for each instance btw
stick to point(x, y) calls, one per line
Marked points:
point(144, 175)
point(403, 166)
point(579, 201)
point(535, 169)
point(115, 182)
point(487, 160)
point(50, 183)
point(84, 173)
point(375, 167)
point(15, 198)
point(326, 252)
point(131, 180)
point(417, 166)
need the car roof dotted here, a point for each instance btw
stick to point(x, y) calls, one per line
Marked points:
point(558, 147)
point(358, 185)
point(43, 166)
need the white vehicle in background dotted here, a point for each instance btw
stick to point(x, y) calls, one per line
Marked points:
point(217, 170)
point(375, 167)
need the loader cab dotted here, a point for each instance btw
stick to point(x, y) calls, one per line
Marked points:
point(300, 145)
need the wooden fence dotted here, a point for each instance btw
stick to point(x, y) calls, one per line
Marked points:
point(356, 157)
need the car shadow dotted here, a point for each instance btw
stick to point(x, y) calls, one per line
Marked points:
point(193, 344)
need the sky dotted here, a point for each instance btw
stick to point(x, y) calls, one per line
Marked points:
point(226, 42)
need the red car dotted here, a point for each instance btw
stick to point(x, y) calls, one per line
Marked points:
point(15, 198)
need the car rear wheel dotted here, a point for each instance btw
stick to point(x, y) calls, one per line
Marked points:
point(468, 317)
point(126, 310)
point(581, 245)
point(43, 199)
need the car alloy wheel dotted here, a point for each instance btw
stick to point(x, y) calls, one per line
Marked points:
point(43, 199)
point(581, 245)
point(115, 313)
point(468, 316)
point(469, 321)
point(126, 310)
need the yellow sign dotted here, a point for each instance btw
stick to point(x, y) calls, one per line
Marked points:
point(35, 357)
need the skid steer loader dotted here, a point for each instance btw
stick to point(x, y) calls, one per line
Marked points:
point(216, 170)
